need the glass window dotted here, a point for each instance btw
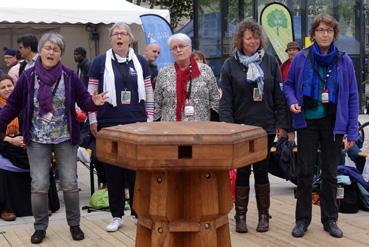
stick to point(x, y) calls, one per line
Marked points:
point(209, 34)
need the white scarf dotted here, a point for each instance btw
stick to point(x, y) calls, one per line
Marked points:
point(109, 78)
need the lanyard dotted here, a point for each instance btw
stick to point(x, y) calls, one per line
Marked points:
point(124, 73)
point(56, 86)
point(190, 86)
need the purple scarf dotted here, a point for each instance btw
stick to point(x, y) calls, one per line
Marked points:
point(47, 78)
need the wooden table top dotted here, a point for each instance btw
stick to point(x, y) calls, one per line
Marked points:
point(201, 132)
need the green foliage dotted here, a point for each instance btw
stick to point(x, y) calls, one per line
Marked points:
point(178, 9)
point(277, 19)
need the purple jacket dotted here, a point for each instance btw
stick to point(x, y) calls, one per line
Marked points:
point(347, 100)
point(22, 100)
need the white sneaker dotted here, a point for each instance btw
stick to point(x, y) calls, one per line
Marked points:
point(114, 225)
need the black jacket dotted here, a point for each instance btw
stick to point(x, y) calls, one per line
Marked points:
point(82, 71)
point(237, 104)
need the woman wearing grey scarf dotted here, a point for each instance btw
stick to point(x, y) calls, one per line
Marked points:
point(250, 82)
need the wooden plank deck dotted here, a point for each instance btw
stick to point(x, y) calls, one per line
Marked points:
point(282, 210)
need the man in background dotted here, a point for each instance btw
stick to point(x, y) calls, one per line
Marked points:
point(292, 49)
point(11, 62)
point(152, 53)
point(83, 65)
point(27, 47)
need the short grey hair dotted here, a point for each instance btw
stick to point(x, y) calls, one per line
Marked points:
point(125, 27)
point(181, 37)
point(54, 38)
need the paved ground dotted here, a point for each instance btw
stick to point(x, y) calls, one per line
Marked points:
point(278, 186)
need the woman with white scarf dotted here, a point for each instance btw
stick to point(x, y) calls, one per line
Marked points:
point(127, 79)
point(250, 81)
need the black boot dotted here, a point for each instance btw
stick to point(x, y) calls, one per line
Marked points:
point(262, 192)
point(242, 200)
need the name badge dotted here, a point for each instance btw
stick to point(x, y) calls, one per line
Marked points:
point(125, 97)
point(256, 95)
point(189, 110)
point(325, 97)
point(340, 192)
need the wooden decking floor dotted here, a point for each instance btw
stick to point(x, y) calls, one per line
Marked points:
point(355, 231)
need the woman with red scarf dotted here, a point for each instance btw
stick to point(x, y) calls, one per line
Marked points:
point(185, 90)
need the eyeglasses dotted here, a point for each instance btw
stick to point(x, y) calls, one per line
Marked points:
point(49, 49)
point(178, 47)
point(323, 30)
point(120, 34)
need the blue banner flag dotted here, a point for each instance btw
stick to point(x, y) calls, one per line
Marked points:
point(158, 30)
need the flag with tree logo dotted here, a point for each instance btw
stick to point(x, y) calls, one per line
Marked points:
point(276, 20)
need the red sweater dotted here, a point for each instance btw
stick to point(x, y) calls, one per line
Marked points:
point(285, 67)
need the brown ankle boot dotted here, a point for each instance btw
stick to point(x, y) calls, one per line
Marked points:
point(242, 200)
point(262, 192)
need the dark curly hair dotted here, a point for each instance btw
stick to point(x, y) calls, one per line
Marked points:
point(251, 25)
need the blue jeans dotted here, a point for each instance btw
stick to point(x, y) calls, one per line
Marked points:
point(39, 156)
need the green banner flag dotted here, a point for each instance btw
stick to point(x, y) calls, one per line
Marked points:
point(276, 20)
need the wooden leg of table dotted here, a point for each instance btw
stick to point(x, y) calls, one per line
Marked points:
point(183, 209)
point(141, 206)
point(225, 206)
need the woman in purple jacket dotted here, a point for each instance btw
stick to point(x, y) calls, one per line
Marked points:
point(322, 94)
point(46, 95)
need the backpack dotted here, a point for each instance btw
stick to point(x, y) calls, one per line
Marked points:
point(282, 162)
point(350, 202)
point(100, 199)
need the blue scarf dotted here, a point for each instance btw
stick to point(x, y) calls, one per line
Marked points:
point(315, 61)
point(254, 73)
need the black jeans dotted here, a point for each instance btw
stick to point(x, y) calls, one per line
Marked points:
point(118, 178)
point(317, 134)
point(260, 169)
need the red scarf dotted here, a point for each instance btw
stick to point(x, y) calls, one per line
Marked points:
point(183, 76)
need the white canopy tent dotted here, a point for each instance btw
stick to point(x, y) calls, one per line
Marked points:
point(81, 22)
point(74, 11)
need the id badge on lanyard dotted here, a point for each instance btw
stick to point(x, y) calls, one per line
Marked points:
point(325, 96)
point(257, 95)
point(189, 110)
point(125, 97)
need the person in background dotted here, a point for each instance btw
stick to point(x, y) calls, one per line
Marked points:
point(151, 54)
point(185, 90)
point(27, 47)
point(126, 77)
point(199, 56)
point(322, 94)
point(252, 95)
point(14, 176)
point(47, 94)
point(11, 62)
point(292, 49)
point(353, 153)
point(83, 65)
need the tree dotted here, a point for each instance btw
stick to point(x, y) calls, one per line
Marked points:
point(277, 19)
point(178, 9)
